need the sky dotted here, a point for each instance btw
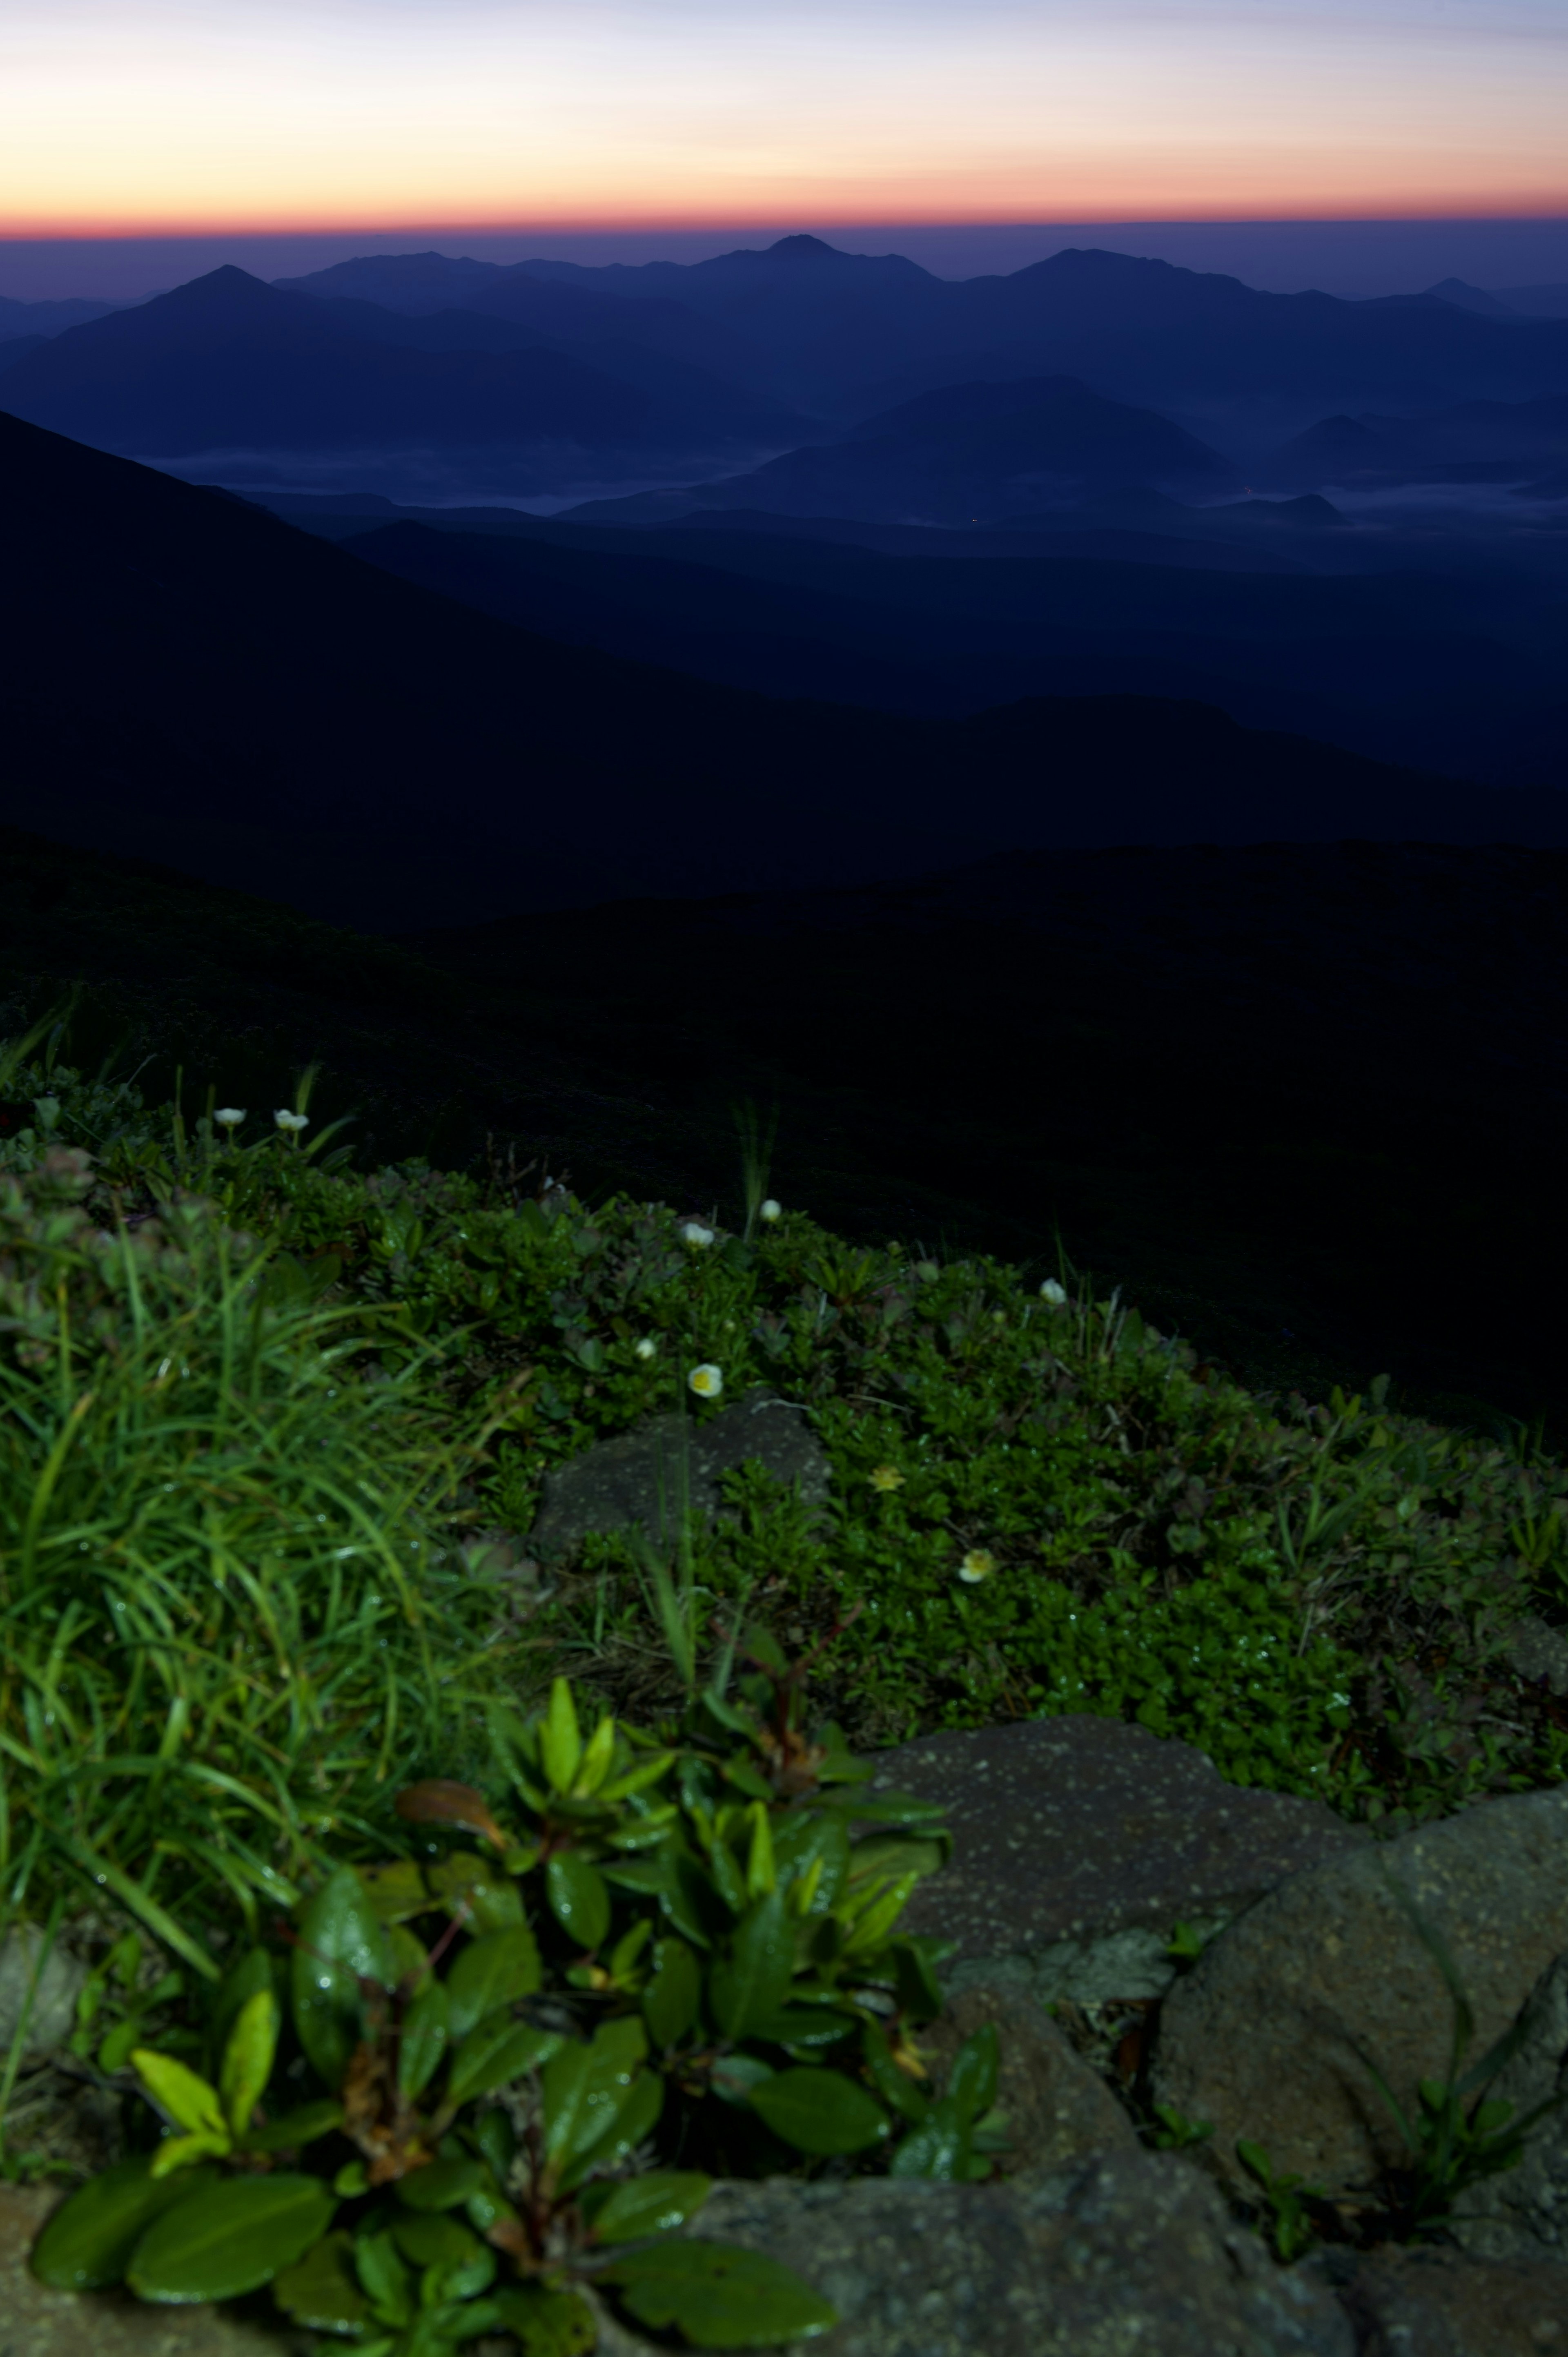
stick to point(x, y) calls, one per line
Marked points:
point(137, 118)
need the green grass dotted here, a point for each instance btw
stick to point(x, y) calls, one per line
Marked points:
point(256, 1404)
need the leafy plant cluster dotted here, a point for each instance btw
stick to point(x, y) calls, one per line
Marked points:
point(675, 1954)
point(1038, 1505)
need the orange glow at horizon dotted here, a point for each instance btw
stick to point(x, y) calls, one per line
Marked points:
point(139, 118)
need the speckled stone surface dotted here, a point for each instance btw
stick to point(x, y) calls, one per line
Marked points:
point(1132, 2255)
point(1081, 1842)
point(1524, 2211)
point(1435, 2304)
point(640, 1477)
point(1264, 2036)
point(37, 2323)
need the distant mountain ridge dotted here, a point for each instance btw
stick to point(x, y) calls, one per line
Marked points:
point(192, 678)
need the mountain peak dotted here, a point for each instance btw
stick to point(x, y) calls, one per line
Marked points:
point(803, 248)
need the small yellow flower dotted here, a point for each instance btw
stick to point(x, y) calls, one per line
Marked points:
point(978, 1565)
point(886, 1477)
point(707, 1381)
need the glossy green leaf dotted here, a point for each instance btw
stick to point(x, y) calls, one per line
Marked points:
point(900, 1854)
point(635, 2117)
point(718, 2295)
point(579, 1898)
point(734, 2076)
point(297, 2128)
point(252, 1972)
point(491, 1972)
point(674, 1996)
point(431, 2239)
point(803, 2025)
point(940, 2146)
point(442, 2184)
point(915, 1972)
point(248, 2059)
point(396, 1889)
point(190, 2102)
point(753, 1981)
point(490, 1899)
point(584, 2087)
point(971, 2084)
point(820, 2111)
point(547, 2323)
point(597, 1761)
point(801, 1841)
point(559, 1739)
point(229, 2238)
point(321, 2292)
point(341, 1941)
point(423, 2035)
point(184, 2151)
point(90, 2240)
point(496, 2054)
point(655, 2203)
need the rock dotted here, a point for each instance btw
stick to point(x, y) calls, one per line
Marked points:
point(1059, 2110)
point(642, 1477)
point(1079, 1843)
point(35, 2321)
point(1264, 2036)
point(1437, 2303)
point(1525, 2210)
point(52, 2016)
point(1539, 1652)
point(1128, 2256)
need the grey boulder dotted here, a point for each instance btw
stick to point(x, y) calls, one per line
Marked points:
point(644, 1479)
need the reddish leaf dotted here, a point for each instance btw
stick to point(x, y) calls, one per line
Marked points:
point(441, 1802)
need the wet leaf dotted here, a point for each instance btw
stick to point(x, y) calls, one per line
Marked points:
point(579, 1898)
point(321, 2292)
point(438, 1802)
point(341, 1941)
point(490, 1973)
point(673, 1997)
point(820, 2111)
point(495, 2055)
point(548, 2324)
point(442, 2184)
point(90, 2240)
point(754, 1980)
point(248, 2059)
point(229, 2238)
point(655, 2203)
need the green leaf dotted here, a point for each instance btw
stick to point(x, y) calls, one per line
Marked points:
point(720, 2296)
point(597, 1761)
point(190, 2102)
point(820, 2111)
point(753, 1981)
point(584, 2087)
point(321, 2292)
point(803, 2025)
point(90, 2241)
point(182, 2151)
point(229, 2238)
point(442, 2184)
point(396, 1889)
point(940, 2146)
point(895, 2086)
point(492, 1902)
point(424, 2033)
point(579, 1897)
point(653, 2204)
point(897, 1854)
point(430, 2239)
point(559, 1739)
point(340, 1941)
point(800, 1841)
point(972, 2083)
point(672, 1999)
point(254, 1971)
point(636, 2116)
point(490, 1973)
point(297, 2128)
point(918, 1990)
point(548, 2324)
point(386, 2279)
point(495, 2054)
point(248, 2059)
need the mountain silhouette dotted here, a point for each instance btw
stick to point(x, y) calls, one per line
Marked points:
point(228, 362)
point(969, 454)
point(193, 680)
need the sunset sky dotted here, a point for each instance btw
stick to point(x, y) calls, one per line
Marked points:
point(145, 116)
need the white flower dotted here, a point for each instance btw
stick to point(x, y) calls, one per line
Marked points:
point(230, 1116)
point(707, 1381)
point(771, 1210)
point(292, 1121)
point(978, 1565)
point(1054, 1293)
point(693, 1233)
point(647, 1347)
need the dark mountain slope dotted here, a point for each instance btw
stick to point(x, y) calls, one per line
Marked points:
point(189, 678)
point(228, 363)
